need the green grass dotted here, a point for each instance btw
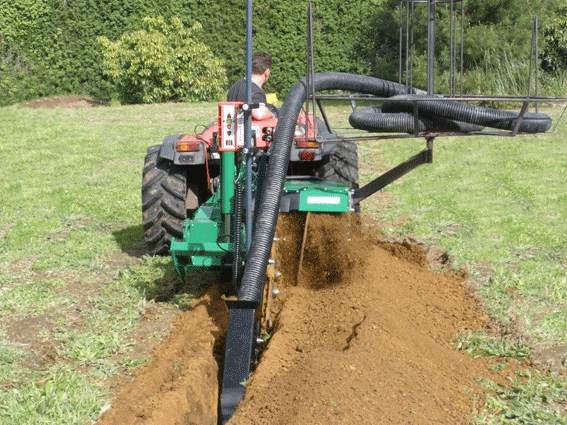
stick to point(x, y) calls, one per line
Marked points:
point(73, 283)
point(60, 395)
point(530, 399)
point(69, 215)
point(498, 206)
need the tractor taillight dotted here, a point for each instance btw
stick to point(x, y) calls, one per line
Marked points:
point(187, 146)
point(307, 144)
point(307, 155)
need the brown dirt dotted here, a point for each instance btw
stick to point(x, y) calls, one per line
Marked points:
point(63, 102)
point(179, 384)
point(364, 337)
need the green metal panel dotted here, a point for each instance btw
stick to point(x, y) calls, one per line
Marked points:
point(321, 196)
point(228, 172)
point(204, 243)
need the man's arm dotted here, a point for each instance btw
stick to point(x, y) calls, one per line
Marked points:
point(262, 113)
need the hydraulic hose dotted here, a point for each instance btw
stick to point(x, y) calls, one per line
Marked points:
point(253, 278)
point(237, 234)
point(453, 114)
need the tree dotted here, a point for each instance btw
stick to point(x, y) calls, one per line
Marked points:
point(163, 62)
point(554, 53)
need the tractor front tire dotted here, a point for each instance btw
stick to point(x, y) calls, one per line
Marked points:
point(164, 195)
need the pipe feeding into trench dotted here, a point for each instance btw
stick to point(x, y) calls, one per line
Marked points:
point(241, 327)
point(265, 224)
point(454, 116)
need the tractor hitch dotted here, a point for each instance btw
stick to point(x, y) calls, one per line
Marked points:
point(424, 157)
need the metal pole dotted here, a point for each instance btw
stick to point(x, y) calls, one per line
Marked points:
point(247, 128)
point(410, 43)
point(311, 66)
point(536, 56)
point(310, 69)
point(239, 345)
point(453, 49)
point(308, 58)
point(430, 47)
point(462, 44)
point(401, 52)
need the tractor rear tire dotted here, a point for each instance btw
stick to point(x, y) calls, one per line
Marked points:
point(164, 197)
point(341, 164)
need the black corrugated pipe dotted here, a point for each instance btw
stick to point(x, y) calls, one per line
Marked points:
point(267, 214)
point(373, 119)
point(479, 115)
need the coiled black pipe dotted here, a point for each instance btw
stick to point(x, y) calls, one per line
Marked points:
point(459, 111)
point(373, 119)
point(266, 215)
point(254, 274)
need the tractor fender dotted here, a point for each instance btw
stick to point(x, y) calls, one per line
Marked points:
point(167, 149)
point(169, 153)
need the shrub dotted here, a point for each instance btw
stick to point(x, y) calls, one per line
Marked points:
point(554, 52)
point(163, 62)
point(15, 75)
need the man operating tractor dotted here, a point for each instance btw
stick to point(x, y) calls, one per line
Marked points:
point(261, 68)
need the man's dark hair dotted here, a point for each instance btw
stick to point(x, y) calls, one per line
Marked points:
point(260, 62)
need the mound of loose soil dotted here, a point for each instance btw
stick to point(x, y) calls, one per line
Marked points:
point(362, 334)
point(63, 102)
point(179, 384)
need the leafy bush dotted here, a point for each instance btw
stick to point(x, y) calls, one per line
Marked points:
point(15, 73)
point(163, 62)
point(554, 52)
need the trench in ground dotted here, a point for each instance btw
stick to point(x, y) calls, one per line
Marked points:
point(363, 334)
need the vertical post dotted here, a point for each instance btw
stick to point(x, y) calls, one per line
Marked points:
point(240, 342)
point(308, 58)
point(401, 50)
point(430, 47)
point(247, 124)
point(310, 71)
point(533, 61)
point(410, 45)
point(452, 49)
point(228, 172)
point(462, 45)
point(536, 56)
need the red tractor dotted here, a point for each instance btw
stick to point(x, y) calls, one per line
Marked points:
point(183, 172)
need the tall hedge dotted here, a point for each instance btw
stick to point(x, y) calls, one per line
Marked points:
point(281, 28)
point(57, 38)
point(554, 52)
point(49, 46)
